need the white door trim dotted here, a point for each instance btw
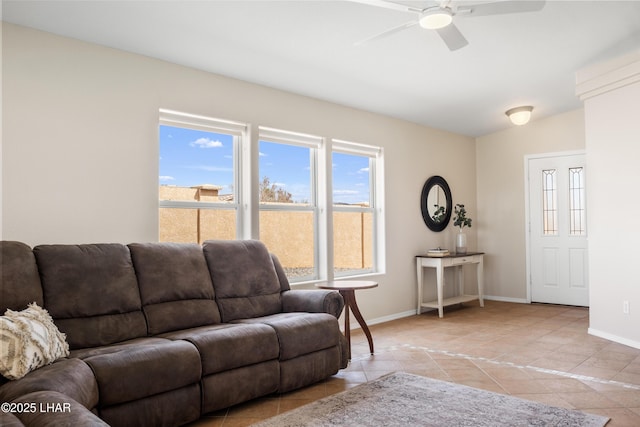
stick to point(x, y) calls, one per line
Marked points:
point(527, 214)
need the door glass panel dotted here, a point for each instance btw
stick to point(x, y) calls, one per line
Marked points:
point(549, 203)
point(577, 220)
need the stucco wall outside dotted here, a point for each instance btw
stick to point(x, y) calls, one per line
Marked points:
point(288, 234)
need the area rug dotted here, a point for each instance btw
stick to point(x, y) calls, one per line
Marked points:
point(402, 399)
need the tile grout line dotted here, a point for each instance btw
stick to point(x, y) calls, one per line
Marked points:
point(510, 364)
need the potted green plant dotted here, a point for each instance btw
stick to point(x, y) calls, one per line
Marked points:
point(460, 220)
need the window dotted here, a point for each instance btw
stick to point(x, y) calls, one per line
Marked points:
point(355, 206)
point(319, 200)
point(288, 204)
point(199, 178)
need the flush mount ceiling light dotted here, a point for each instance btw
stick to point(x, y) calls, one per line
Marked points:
point(520, 115)
point(436, 18)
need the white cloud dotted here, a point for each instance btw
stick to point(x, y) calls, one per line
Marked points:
point(340, 192)
point(211, 168)
point(166, 178)
point(261, 154)
point(363, 170)
point(206, 143)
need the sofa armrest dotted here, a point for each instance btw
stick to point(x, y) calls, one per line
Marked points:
point(313, 301)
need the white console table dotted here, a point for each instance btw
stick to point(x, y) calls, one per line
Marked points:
point(440, 263)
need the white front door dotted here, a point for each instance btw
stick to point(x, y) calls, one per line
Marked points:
point(557, 230)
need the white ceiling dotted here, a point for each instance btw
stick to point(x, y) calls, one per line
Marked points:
point(307, 47)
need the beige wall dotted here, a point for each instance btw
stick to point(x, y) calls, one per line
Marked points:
point(80, 150)
point(611, 93)
point(80, 164)
point(501, 195)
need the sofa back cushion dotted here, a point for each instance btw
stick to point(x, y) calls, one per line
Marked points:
point(282, 275)
point(19, 278)
point(244, 278)
point(175, 286)
point(91, 292)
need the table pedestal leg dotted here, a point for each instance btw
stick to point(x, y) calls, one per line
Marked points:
point(349, 297)
point(347, 325)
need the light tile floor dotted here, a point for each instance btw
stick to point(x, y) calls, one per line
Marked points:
point(537, 352)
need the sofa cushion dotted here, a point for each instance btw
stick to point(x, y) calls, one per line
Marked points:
point(7, 419)
point(239, 385)
point(282, 275)
point(310, 368)
point(175, 286)
point(228, 346)
point(71, 377)
point(91, 292)
point(19, 277)
point(134, 371)
point(28, 341)
point(56, 409)
point(301, 333)
point(244, 278)
point(169, 409)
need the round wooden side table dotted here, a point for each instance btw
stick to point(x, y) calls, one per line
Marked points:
point(347, 289)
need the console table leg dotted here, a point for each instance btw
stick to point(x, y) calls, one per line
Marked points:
point(440, 289)
point(480, 269)
point(420, 290)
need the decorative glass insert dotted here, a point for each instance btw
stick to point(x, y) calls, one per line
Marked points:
point(577, 209)
point(549, 202)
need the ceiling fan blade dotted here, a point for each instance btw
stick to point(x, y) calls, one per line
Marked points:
point(389, 5)
point(452, 37)
point(387, 33)
point(502, 7)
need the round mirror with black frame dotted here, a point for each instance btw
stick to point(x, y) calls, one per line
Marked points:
point(436, 203)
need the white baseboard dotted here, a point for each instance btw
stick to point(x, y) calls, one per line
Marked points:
point(614, 338)
point(408, 313)
point(591, 331)
point(383, 319)
point(391, 317)
point(506, 299)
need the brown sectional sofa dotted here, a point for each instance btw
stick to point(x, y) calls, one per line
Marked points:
point(161, 333)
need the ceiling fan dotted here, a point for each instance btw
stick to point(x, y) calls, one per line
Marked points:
point(440, 17)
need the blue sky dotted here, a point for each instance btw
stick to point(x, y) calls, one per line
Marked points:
point(191, 157)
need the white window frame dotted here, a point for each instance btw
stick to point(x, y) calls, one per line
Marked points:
point(246, 183)
point(239, 131)
point(314, 143)
point(376, 201)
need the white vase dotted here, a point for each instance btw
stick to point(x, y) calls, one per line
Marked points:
point(461, 243)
